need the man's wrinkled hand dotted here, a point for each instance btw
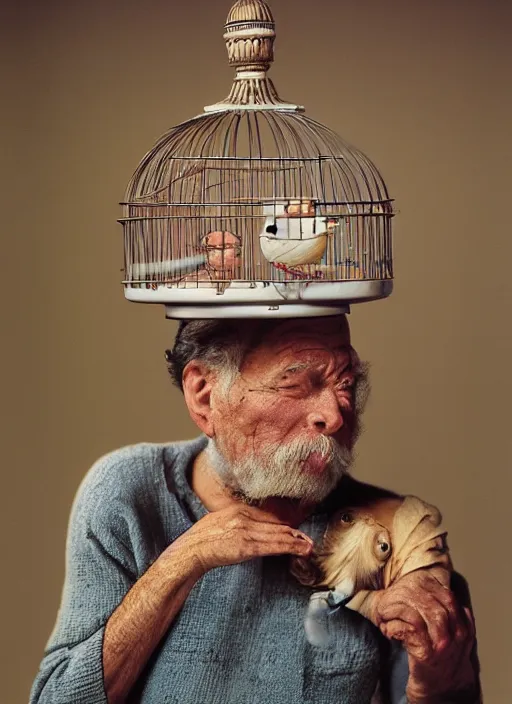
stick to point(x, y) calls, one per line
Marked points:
point(437, 633)
point(237, 534)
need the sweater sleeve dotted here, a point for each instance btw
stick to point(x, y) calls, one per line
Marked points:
point(100, 569)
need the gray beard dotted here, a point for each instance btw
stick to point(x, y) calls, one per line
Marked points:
point(276, 471)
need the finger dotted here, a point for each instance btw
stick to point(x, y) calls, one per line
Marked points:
point(415, 606)
point(446, 621)
point(245, 519)
point(279, 529)
point(439, 626)
point(467, 632)
point(422, 640)
point(290, 537)
point(460, 627)
point(261, 544)
point(397, 629)
point(409, 617)
point(448, 624)
point(456, 620)
point(443, 594)
point(416, 646)
point(470, 622)
point(269, 549)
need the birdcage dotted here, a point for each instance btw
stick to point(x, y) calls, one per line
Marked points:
point(253, 209)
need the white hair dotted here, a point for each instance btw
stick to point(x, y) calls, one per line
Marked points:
point(277, 470)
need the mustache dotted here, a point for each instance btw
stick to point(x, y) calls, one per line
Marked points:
point(275, 469)
point(298, 450)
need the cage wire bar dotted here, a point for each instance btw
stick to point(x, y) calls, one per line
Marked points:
point(255, 194)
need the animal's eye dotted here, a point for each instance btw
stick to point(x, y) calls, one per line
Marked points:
point(382, 546)
point(346, 518)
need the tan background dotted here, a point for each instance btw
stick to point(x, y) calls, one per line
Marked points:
point(424, 89)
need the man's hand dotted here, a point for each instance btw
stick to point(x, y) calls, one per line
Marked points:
point(437, 633)
point(223, 537)
point(237, 534)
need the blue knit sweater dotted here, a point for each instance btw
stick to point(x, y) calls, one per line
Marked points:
point(239, 638)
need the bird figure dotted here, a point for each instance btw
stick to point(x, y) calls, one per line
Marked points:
point(292, 234)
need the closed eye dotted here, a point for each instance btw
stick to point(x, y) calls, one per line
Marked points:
point(345, 391)
point(346, 384)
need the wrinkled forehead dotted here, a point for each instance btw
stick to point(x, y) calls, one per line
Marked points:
point(304, 338)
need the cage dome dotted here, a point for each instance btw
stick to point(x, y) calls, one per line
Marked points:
point(253, 209)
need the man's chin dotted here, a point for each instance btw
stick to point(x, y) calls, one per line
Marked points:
point(255, 481)
point(313, 493)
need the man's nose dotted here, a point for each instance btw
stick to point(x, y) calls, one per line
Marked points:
point(324, 414)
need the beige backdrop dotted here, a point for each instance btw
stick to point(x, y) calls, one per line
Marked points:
point(424, 89)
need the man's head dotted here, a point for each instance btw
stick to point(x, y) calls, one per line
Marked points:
point(279, 401)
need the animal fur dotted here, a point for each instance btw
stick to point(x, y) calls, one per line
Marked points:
point(368, 547)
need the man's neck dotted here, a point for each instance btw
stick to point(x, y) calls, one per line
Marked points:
point(215, 495)
point(208, 487)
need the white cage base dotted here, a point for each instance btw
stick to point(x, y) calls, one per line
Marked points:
point(252, 311)
point(262, 300)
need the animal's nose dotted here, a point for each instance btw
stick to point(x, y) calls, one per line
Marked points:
point(325, 413)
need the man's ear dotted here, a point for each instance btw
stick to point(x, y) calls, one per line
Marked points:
point(197, 387)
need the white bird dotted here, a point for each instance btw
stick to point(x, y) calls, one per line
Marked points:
point(292, 240)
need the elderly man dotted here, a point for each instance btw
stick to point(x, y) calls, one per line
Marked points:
point(178, 586)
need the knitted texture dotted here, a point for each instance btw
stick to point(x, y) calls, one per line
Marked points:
point(239, 639)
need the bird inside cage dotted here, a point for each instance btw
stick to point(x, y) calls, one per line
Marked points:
point(366, 548)
point(294, 235)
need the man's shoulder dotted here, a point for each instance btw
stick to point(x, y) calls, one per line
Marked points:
point(134, 472)
point(129, 494)
point(124, 467)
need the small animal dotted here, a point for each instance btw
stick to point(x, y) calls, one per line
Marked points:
point(366, 548)
point(292, 234)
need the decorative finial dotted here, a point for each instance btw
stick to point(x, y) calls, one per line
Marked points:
point(249, 35)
